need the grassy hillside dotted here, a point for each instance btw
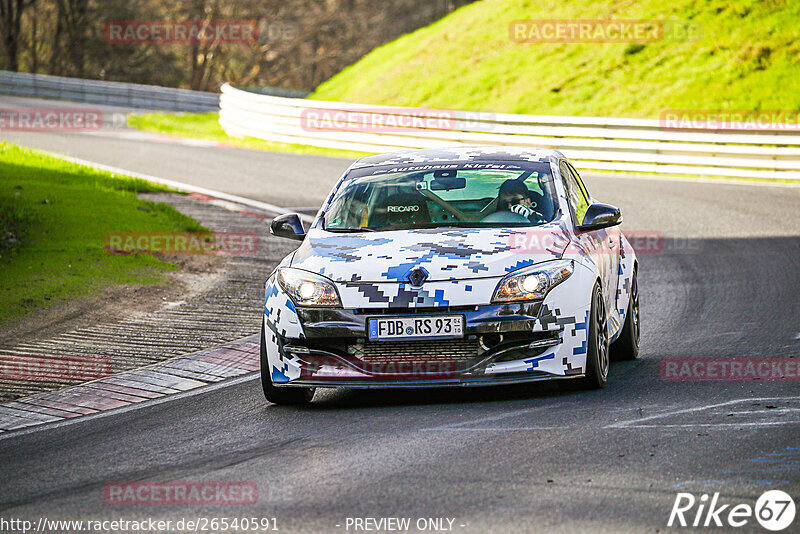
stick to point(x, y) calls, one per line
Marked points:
point(747, 57)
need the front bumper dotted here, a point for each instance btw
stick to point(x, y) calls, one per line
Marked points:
point(503, 344)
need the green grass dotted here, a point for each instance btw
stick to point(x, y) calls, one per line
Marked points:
point(55, 215)
point(206, 126)
point(747, 57)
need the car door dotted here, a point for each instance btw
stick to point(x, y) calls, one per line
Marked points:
point(613, 243)
point(595, 242)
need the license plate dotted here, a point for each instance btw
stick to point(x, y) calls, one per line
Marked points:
point(415, 327)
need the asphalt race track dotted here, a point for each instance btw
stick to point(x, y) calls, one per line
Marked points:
point(723, 283)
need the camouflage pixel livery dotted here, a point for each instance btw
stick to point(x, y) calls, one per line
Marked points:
point(462, 267)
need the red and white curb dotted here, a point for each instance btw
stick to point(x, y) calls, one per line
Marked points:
point(170, 377)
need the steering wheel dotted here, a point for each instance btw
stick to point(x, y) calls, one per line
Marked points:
point(505, 217)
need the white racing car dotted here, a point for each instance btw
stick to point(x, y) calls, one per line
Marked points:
point(463, 266)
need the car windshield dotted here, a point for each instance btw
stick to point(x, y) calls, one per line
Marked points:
point(437, 198)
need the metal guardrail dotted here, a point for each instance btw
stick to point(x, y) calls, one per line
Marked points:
point(595, 143)
point(130, 95)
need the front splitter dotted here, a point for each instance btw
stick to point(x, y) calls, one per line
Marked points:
point(439, 383)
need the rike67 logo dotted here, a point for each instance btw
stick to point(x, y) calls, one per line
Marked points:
point(774, 510)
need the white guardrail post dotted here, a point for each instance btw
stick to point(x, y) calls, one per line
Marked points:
point(595, 143)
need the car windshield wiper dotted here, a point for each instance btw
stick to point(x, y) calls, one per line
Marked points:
point(349, 230)
point(453, 224)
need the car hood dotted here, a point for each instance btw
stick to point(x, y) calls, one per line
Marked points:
point(444, 253)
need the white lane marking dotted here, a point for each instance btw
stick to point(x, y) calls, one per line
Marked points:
point(635, 422)
point(653, 427)
point(303, 208)
point(708, 425)
point(493, 418)
point(496, 429)
point(131, 407)
point(797, 336)
point(456, 427)
point(574, 407)
point(183, 187)
point(138, 135)
point(773, 411)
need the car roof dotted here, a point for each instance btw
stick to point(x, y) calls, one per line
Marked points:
point(460, 154)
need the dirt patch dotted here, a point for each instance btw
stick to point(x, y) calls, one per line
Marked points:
point(197, 274)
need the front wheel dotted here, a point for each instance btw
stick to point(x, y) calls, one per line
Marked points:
point(626, 346)
point(597, 361)
point(279, 395)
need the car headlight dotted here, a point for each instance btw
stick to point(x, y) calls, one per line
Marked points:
point(533, 283)
point(308, 289)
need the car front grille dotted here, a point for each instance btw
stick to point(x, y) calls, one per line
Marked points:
point(422, 357)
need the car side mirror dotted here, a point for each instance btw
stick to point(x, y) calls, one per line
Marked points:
point(600, 216)
point(289, 226)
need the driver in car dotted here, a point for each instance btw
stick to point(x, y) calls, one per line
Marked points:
point(516, 197)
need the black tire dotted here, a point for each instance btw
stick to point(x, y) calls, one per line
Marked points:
point(626, 346)
point(291, 396)
point(597, 360)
